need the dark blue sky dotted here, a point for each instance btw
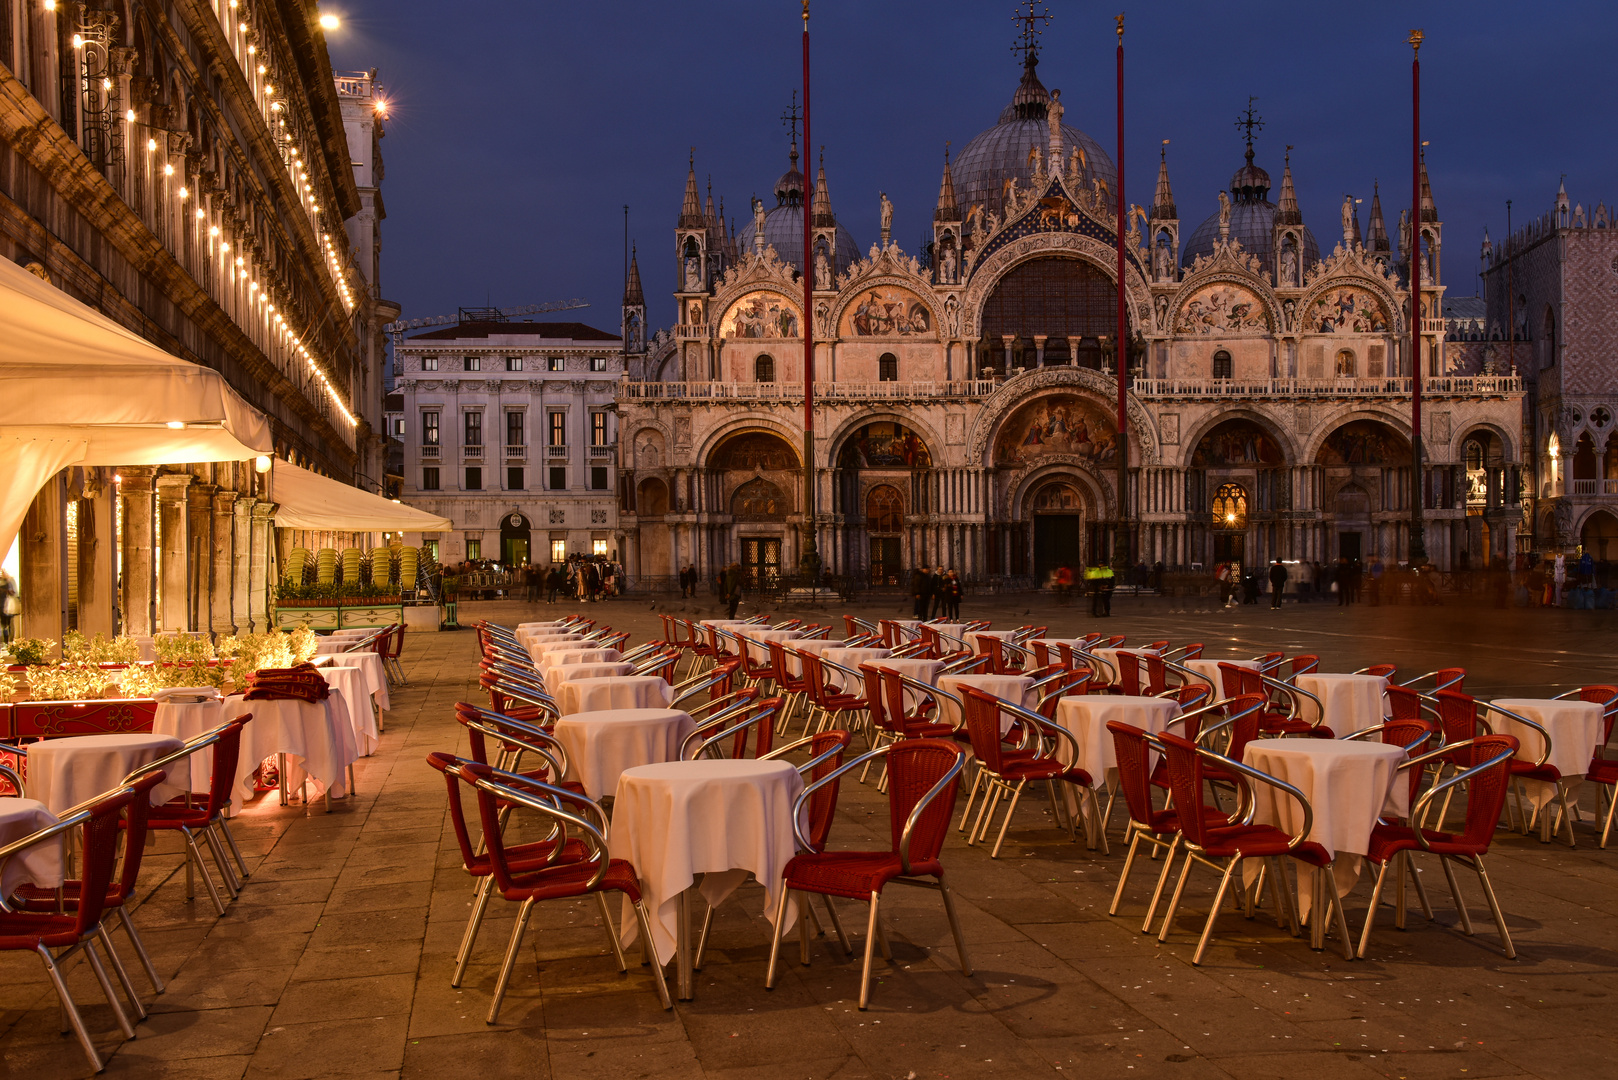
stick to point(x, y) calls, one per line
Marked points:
point(518, 129)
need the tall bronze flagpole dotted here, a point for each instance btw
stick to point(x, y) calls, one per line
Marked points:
point(1120, 541)
point(1418, 488)
point(809, 562)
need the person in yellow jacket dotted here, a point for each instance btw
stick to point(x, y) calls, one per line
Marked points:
point(1099, 580)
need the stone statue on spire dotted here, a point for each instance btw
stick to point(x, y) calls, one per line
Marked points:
point(887, 218)
point(1053, 116)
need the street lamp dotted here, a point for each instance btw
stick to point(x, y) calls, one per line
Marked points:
point(330, 22)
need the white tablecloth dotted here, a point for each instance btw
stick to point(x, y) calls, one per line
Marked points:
point(560, 656)
point(814, 645)
point(352, 632)
point(376, 676)
point(729, 624)
point(757, 651)
point(1013, 688)
point(721, 819)
point(1111, 657)
point(1348, 785)
point(1575, 729)
point(537, 647)
point(557, 677)
point(351, 681)
point(601, 745)
point(41, 864)
point(618, 692)
point(1086, 716)
point(316, 736)
point(921, 670)
point(185, 720)
point(65, 772)
point(1353, 702)
point(851, 659)
point(1209, 669)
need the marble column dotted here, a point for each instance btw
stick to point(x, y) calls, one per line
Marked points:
point(136, 489)
point(221, 585)
point(241, 563)
point(199, 520)
point(260, 537)
point(98, 564)
point(173, 538)
point(42, 573)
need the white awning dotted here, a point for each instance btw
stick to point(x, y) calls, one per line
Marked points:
point(78, 389)
point(307, 500)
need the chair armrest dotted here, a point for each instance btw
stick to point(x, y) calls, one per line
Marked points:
point(1262, 777)
point(1544, 735)
point(1419, 811)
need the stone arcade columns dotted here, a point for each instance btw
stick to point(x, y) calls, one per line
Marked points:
point(222, 575)
point(173, 541)
point(98, 573)
point(199, 520)
point(241, 563)
point(138, 542)
point(259, 540)
point(42, 547)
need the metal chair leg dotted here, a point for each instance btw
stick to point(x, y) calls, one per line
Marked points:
point(775, 938)
point(510, 961)
point(106, 988)
point(657, 969)
point(1213, 912)
point(836, 924)
point(955, 928)
point(612, 934)
point(103, 936)
point(1370, 912)
point(1494, 908)
point(1174, 901)
point(194, 855)
point(473, 924)
point(1162, 879)
point(1123, 876)
point(70, 1010)
point(140, 946)
point(1455, 891)
point(1016, 797)
point(870, 947)
point(236, 852)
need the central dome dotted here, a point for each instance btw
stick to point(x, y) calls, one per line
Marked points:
point(1252, 221)
point(783, 226)
point(1001, 152)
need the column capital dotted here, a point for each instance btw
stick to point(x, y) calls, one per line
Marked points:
point(136, 479)
point(263, 510)
point(224, 501)
point(173, 484)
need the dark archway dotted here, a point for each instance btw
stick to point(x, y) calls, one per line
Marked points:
point(516, 540)
point(1051, 297)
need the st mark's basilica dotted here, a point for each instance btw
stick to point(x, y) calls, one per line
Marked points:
point(966, 397)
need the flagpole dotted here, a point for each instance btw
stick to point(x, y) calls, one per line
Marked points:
point(809, 562)
point(1418, 492)
point(1121, 540)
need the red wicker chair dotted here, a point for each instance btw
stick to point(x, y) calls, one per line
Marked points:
point(924, 776)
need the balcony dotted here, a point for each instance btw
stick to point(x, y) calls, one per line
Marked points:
point(430, 450)
point(599, 452)
point(555, 452)
point(1433, 326)
point(636, 390)
point(472, 453)
point(516, 452)
point(1392, 387)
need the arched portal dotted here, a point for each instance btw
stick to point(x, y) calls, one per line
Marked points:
point(1060, 513)
point(884, 525)
point(754, 477)
point(516, 538)
point(882, 476)
point(651, 504)
point(1060, 298)
point(1600, 536)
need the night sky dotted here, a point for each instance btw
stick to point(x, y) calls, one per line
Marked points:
point(518, 130)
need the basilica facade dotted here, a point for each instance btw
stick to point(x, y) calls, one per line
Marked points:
point(966, 396)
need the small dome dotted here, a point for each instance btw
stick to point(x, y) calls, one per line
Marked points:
point(1252, 223)
point(1250, 183)
point(789, 189)
point(783, 230)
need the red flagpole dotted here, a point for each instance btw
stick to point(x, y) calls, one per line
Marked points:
point(810, 560)
point(1418, 528)
point(1120, 543)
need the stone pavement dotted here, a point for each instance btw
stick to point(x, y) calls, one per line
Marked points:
point(336, 959)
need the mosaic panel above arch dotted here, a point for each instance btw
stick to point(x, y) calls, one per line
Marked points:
point(758, 450)
point(1347, 309)
point(760, 315)
point(1236, 444)
point(1364, 442)
point(1222, 308)
point(886, 311)
point(884, 444)
point(1064, 424)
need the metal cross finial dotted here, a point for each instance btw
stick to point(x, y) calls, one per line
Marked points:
point(791, 116)
point(1416, 38)
point(1032, 22)
point(1250, 120)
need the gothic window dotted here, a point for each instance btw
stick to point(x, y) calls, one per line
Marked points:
point(1345, 363)
point(887, 368)
point(758, 500)
point(1230, 507)
point(764, 369)
point(884, 509)
point(1221, 365)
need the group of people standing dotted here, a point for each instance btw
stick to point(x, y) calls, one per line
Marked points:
point(939, 590)
point(581, 578)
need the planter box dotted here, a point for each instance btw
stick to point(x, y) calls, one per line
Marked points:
point(47, 719)
point(349, 614)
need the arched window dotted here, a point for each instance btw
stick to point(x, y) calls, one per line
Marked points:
point(1221, 365)
point(1345, 363)
point(887, 368)
point(1230, 507)
point(884, 510)
point(764, 369)
point(758, 500)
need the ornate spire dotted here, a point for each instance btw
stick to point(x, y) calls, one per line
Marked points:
point(1286, 210)
point(707, 209)
point(1163, 208)
point(691, 210)
point(947, 209)
point(632, 290)
point(1377, 236)
point(823, 216)
point(1429, 211)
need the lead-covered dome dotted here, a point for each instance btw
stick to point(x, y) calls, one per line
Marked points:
point(783, 225)
point(1252, 221)
point(983, 166)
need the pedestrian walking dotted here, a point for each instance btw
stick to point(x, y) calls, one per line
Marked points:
point(951, 590)
point(1278, 582)
point(920, 589)
point(731, 581)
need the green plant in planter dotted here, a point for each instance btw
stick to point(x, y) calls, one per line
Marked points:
point(66, 682)
point(98, 650)
point(173, 649)
point(30, 651)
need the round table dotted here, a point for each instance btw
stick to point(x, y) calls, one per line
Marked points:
point(39, 865)
point(601, 745)
point(815, 645)
point(1349, 784)
point(179, 714)
point(1575, 729)
point(1353, 702)
point(547, 659)
point(316, 737)
point(355, 690)
point(1209, 671)
point(722, 819)
point(376, 675)
point(65, 772)
point(618, 692)
point(925, 671)
point(758, 652)
point(1086, 717)
point(851, 659)
point(1110, 657)
point(1013, 688)
point(557, 677)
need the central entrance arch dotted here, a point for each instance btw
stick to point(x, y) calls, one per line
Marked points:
point(516, 537)
point(1058, 509)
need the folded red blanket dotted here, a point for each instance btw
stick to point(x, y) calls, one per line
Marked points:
point(302, 682)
